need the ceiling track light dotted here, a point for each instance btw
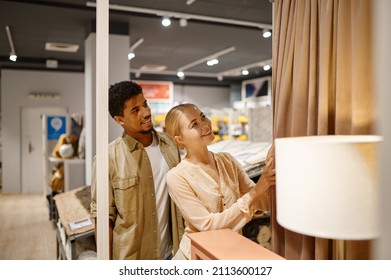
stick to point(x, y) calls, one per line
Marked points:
point(266, 33)
point(166, 21)
point(13, 57)
point(131, 53)
point(185, 15)
point(212, 62)
point(180, 74)
point(235, 71)
point(227, 73)
point(202, 60)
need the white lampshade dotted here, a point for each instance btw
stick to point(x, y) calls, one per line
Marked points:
point(327, 186)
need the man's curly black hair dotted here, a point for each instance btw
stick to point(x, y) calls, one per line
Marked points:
point(119, 93)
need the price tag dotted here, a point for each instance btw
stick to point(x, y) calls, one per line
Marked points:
point(78, 224)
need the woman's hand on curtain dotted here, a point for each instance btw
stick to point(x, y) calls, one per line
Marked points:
point(268, 177)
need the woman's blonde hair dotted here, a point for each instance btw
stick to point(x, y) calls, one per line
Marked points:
point(172, 120)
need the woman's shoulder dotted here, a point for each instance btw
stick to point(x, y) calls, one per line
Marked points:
point(182, 166)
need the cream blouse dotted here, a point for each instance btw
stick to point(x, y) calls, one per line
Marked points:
point(206, 205)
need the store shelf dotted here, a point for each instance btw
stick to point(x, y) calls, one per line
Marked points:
point(65, 252)
point(74, 171)
point(72, 208)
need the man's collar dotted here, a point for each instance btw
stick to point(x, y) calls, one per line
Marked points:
point(133, 143)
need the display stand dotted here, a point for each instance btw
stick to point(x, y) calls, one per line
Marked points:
point(74, 168)
point(51, 131)
point(74, 171)
point(73, 208)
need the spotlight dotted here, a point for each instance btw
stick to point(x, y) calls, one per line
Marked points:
point(166, 21)
point(266, 67)
point(267, 33)
point(131, 55)
point(180, 74)
point(13, 57)
point(245, 72)
point(212, 62)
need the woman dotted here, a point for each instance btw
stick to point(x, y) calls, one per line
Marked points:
point(211, 190)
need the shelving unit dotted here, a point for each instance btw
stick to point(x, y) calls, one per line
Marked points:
point(73, 207)
point(74, 171)
point(63, 238)
point(74, 176)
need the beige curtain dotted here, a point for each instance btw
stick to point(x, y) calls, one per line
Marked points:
point(321, 85)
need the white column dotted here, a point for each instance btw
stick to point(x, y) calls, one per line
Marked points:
point(382, 67)
point(105, 64)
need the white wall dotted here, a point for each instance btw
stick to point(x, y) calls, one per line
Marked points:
point(15, 87)
point(211, 97)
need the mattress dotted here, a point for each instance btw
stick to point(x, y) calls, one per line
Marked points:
point(251, 155)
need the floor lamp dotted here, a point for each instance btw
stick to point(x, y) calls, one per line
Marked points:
point(327, 186)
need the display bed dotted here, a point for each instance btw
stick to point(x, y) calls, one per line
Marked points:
point(251, 155)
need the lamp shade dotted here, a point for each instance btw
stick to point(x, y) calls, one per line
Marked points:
point(327, 186)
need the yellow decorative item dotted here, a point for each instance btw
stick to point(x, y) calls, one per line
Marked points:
point(57, 180)
point(215, 118)
point(243, 119)
point(159, 119)
point(215, 125)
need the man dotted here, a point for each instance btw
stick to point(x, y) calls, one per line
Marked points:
point(143, 222)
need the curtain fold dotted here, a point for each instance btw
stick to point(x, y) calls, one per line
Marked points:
point(321, 85)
